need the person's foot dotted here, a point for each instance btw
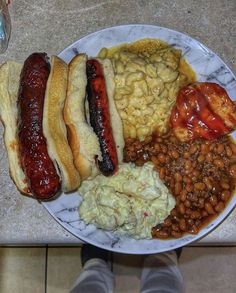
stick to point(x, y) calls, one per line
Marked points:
point(89, 251)
point(178, 252)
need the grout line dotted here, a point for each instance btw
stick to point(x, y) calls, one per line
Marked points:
point(72, 246)
point(112, 258)
point(46, 269)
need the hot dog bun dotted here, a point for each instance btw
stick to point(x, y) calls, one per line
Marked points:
point(9, 83)
point(54, 128)
point(83, 141)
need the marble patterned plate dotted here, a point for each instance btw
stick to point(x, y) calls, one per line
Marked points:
point(208, 66)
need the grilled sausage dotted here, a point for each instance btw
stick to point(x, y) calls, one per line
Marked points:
point(39, 169)
point(100, 116)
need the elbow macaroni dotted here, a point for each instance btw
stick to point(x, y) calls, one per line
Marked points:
point(146, 86)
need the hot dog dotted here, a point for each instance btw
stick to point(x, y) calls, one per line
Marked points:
point(38, 167)
point(40, 158)
point(99, 114)
point(97, 147)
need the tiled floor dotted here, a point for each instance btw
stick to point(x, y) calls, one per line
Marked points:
point(37, 270)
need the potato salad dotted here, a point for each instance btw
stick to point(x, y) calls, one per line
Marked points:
point(131, 202)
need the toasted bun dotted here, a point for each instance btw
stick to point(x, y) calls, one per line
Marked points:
point(9, 83)
point(54, 128)
point(83, 141)
point(116, 122)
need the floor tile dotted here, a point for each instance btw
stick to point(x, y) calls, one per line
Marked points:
point(63, 268)
point(209, 269)
point(127, 269)
point(22, 270)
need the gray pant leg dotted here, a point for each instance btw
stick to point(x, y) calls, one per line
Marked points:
point(161, 274)
point(96, 277)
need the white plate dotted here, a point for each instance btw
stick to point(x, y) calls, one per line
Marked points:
point(207, 65)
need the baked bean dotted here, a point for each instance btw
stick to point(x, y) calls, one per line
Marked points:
point(188, 172)
point(209, 157)
point(224, 185)
point(195, 215)
point(175, 227)
point(187, 203)
point(193, 149)
point(189, 187)
point(194, 164)
point(194, 229)
point(174, 212)
point(176, 234)
point(155, 160)
point(167, 222)
point(208, 183)
point(178, 177)
point(192, 197)
point(161, 158)
point(161, 234)
point(172, 183)
point(219, 207)
point(159, 139)
point(162, 173)
point(139, 162)
point(164, 148)
point(200, 186)
point(178, 200)
point(201, 158)
point(233, 148)
point(182, 224)
point(209, 208)
point(201, 202)
point(187, 179)
point(188, 164)
point(212, 146)
point(232, 170)
point(181, 208)
point(178, 188)
point(204, 213)
point(225, 195)
point(183, 195)
point(157, 147)
point(168, 159)
point(219, 149)
point(174, 154)
point(213, 200)
point(219, 163)
point(190, 222)
point(216, 188)
point(186, 155)
point(196, 173)
point(229, 151)
point(204, 149)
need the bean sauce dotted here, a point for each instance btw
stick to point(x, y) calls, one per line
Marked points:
point(200, 174)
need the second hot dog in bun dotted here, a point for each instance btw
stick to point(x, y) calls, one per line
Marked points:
point(94, 125)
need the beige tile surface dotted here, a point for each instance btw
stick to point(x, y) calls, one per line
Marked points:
point(209, 269)
point(205, 270)
point(63, 268)
point(22, 270)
